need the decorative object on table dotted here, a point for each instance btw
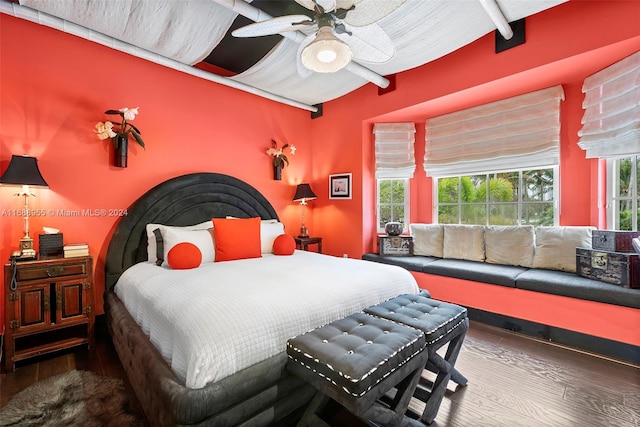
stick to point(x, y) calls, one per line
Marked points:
point(304, 193)
point(393, 228)
point(618, 268)
point(340, 186)
point(120, 135)
point(50, 243)
point(613, 240)
point(395, 245)
point(75, 398)
point(279, 158)
point(23, 171)
point(76, 250)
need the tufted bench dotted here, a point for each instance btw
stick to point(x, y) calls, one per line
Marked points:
point(442, 323)
point(355, 361)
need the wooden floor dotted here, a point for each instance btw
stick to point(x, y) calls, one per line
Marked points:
point(514, 381)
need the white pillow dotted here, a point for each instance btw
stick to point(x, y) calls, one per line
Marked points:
point(509, 245)
point(269, 230)
point(464, 242)
point(428, 239)
point(151, 238)
point(556, 246)
point(203, 239)
point(262, 221)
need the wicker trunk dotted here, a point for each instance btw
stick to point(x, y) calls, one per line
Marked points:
point(618, 268)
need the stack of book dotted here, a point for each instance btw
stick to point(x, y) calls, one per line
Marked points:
point(76, 249)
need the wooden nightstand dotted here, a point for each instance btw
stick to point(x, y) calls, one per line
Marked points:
point(304, 242)
point(50, 308)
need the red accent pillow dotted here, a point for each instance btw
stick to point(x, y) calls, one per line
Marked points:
point(183, 256)
point(237, 238)
point(284, 245)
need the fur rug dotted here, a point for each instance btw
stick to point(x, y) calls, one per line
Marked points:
point(75, 398)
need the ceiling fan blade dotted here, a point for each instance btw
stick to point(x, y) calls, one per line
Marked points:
point(277, 25)
point(328, 5)
point(367, 12)
point(369, 44)
point(346, 4)
point(324, 5)
point(302, 70)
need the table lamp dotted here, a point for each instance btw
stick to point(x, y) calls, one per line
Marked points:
point(303, 194)
point(23, 171)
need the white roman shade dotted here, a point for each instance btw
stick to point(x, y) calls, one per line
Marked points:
point(611, 121)
point(394, 150)
point(515, 133)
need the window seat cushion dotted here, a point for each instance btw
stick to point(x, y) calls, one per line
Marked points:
point(535, 279)
point(571, 285)
point(497, 274)
point(411, 263)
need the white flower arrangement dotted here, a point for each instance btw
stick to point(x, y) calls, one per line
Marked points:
point(279, 158)
point(106, 129)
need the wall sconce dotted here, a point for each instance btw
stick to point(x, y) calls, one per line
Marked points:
point(303, 194)
point(23, 171)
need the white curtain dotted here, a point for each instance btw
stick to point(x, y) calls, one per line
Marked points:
point(394, 150)
point(611, 121)
point(515, 133)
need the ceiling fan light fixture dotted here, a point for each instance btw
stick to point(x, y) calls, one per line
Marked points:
point(326, 53)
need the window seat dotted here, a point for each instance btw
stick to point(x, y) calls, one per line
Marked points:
point(533, 279)
point(553, 305)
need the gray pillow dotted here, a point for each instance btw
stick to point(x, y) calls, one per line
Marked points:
point(509, 245)
point(464, 242)
point(428, 239)
point(556, 246)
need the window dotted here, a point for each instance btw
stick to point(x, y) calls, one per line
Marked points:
point(393, 202)
point(611, 121)
point(624, 193)
point(506, 198)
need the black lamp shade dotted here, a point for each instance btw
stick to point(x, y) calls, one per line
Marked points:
point(303, 191)
point(23, 170)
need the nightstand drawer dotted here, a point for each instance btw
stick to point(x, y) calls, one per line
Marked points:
point(54, 270)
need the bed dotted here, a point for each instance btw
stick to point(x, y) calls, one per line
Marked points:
point(258, 390)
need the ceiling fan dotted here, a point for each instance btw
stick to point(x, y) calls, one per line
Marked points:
point(341, 30)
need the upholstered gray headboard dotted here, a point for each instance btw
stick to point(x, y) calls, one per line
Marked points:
point(184, 200)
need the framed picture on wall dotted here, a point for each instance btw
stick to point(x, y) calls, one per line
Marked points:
point(340, 186)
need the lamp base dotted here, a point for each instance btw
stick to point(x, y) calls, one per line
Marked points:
point(26, 248)
point(303, 232)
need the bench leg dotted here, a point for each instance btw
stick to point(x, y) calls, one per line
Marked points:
point(394, 415)
point(456, 376)
point(310, 417)
point(378, 414)
point(444, 368)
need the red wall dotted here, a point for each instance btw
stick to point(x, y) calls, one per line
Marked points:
point(55, 87)
point(563, 46)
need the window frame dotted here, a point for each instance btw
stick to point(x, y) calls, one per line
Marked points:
point(613, 194)
point(487, 204)
point(406, 203)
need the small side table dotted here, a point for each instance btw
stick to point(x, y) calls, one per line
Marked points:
point(304, 242)
point(50, 308)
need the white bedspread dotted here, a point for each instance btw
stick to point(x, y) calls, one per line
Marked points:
point(215, 320)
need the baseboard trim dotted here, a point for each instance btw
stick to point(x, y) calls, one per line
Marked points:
point(599, 346)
